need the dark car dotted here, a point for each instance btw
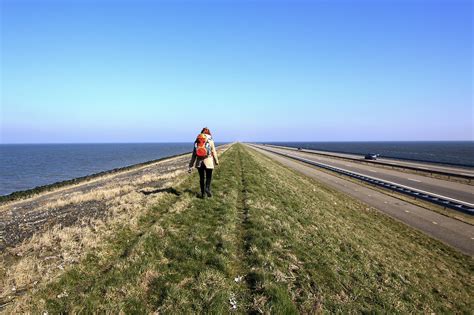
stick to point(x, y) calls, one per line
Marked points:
point(299, 149)
point(371, 156)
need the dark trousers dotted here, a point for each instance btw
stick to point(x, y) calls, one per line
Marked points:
point(205, 175)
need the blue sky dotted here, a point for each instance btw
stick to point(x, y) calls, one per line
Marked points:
point(156, 71)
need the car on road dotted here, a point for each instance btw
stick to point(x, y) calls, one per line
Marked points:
point(371, 156)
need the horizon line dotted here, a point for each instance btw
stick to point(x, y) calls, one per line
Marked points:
point(259, 141)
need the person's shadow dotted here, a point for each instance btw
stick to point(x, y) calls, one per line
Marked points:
point(170, 190)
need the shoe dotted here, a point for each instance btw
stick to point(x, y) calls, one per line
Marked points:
point(208, 192)
point(201, 195)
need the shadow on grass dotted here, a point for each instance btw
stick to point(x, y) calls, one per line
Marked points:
point(170, 190)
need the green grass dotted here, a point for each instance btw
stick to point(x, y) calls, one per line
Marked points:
point(301, 247)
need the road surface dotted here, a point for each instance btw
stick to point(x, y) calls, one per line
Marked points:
point(454, 190)
point(463, 171)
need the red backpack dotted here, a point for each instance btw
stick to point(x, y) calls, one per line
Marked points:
point(202, 146)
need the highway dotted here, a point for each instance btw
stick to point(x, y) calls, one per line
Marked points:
point(455, 233)
point(428, 167)
point(457, 191)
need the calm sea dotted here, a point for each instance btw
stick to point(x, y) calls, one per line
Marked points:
point(460, 153)
point(25, 166)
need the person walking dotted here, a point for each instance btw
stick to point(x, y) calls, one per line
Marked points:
point(204, 158)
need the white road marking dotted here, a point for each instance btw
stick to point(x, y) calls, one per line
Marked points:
point(372, 171)
point(407, 211)
point(435, 222)
point(415, 180)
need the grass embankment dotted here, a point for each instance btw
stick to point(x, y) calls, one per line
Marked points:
point(299, 246)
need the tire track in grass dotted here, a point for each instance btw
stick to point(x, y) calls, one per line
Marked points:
point(214, 224)
point(200, 252)
point(244, 239)
point(268, 294)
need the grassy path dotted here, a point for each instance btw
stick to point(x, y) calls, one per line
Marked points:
point(299, 247)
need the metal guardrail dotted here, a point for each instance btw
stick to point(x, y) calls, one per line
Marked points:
point(470, 178)
point(420, 194)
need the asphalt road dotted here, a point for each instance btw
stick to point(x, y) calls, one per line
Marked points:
point(453, 232)
point(425, 166)
point(453, 190)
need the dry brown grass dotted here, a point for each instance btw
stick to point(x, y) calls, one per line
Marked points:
point(6, 206)
point(80, 197)
point(108, 192)
point(45, 255)
point(148, 178)
point(181, 205)
point(42, 257)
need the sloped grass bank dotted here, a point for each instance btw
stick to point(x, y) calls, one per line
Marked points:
point(270, 240)
point(326, 251)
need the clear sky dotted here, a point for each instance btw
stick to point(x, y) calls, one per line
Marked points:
point(156, 71)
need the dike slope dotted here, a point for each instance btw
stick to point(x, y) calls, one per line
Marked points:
point(270, 240)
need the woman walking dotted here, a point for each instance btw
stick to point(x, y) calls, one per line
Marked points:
point(204, 158)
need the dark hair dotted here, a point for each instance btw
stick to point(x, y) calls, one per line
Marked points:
point(206, 131)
